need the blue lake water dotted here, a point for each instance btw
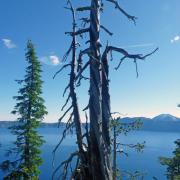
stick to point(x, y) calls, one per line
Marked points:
point(157, 144)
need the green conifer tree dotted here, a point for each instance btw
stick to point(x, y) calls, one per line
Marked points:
point(30, 110)
point(173, 164)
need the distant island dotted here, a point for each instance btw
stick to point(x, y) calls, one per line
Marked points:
point(162, 122)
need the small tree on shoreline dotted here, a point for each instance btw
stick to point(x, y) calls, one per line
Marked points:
point(119, 128)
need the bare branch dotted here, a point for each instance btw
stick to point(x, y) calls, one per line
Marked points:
point(135, 57)
point(79, 68)
point(85, 21)
point(60, 119)
point(82, 70)
point(86, 8)
point(66, 164)
point(121, 60)
point(106, 30)
point(80, 78)
point(67, 53)
point(81, 54)
point(69, 124)
point(86, 108)
point(144, 57)
point(87, 42)
point(122, 152)
point(63, 67)
point(87, 130)
point(79, 32)
point(67, 100)
point(65, 90)
point(67, 8)
point(130, 17)
point(137, 73)
point(139, 146)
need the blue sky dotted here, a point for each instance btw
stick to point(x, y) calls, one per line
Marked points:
point(157, 90)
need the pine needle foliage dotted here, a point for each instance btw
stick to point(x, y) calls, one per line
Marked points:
point(173, 164)
point(30, 110)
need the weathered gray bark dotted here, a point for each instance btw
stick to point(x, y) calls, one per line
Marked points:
point(106, 110)
point(77, 119)
point(82, 161)
point(94, 154)
point(99, 151)
point(83, 164)
point(114, 153)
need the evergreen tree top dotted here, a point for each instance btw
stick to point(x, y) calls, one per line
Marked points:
point(31, 110)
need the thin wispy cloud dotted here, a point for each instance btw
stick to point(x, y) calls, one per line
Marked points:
point(54, 60)
point(50, 60)
point(175, 39)
point(8, 43)
point(138, 45)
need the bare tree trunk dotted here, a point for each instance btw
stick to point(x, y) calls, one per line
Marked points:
point(94, 155)
point(77, 120)
point(99, 155)
point(106, 110)
point(114, 153)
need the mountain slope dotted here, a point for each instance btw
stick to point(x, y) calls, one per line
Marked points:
point(162, 122)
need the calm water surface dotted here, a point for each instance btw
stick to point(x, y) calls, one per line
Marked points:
point(157, 144)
